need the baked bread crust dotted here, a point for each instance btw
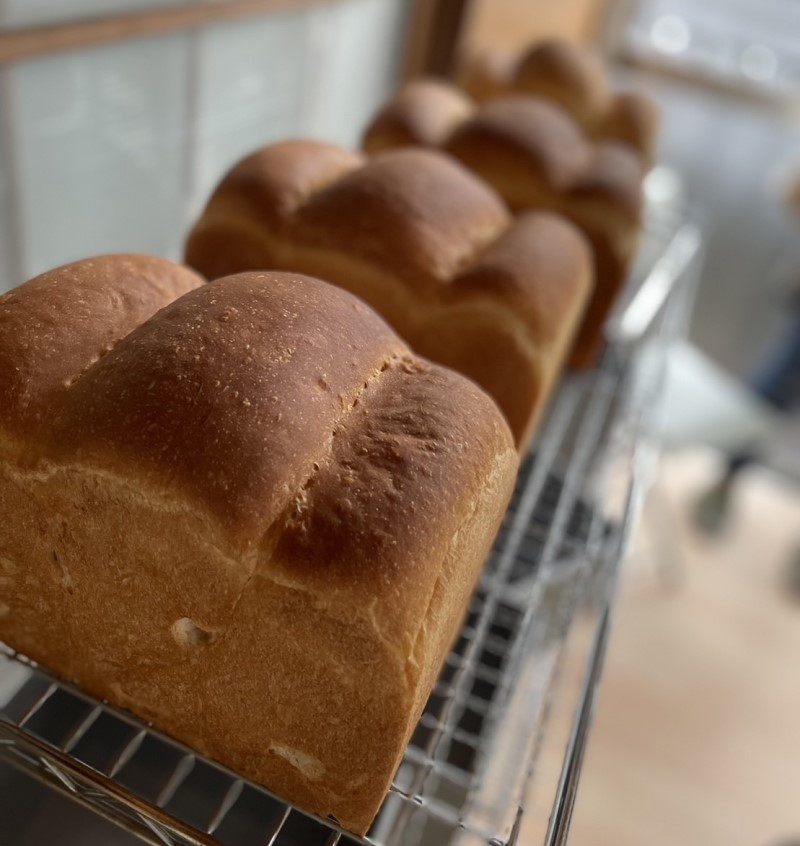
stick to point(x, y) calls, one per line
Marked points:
point(402, 231)
point(53, 329)
point(424, 112)
point(58, 324)
point(575, 79)
point(566, 74)
point(536, 157)
point(259, 519)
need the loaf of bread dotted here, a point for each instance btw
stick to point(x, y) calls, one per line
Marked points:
point(427, 244)
point(536, 157)
point(253, 518)
point(575, 79)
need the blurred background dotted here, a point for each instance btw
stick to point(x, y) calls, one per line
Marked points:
point(118, 116)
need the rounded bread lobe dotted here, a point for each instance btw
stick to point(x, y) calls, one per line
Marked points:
point(416, 211)
point(568, 74)
point(230, 395)
point(540, 268)
point(546, 138)
point(634, 118)
point(276, 180)
point(488, 74)
point(614, 177)
point(57, 325)
point(424, 113)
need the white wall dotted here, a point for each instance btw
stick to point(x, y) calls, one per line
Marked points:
point(115, 148)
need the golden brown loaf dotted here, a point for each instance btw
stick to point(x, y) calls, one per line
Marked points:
point(254, 519)
point(537, 157)
point(566, 74)
point(575, 79)
point(424, 112)
point(427, 244)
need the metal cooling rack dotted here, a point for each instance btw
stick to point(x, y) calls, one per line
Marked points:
point(470, 772)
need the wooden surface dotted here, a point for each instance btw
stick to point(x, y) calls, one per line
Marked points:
point(73, 35)
point(511, 25)
point(696, 740)
point(435, 34)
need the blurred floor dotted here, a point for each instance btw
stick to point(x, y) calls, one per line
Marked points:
point(697, 733)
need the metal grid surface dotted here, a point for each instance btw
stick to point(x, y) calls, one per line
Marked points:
point(471, 761)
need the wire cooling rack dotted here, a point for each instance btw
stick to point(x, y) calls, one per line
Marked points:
point(469, 772)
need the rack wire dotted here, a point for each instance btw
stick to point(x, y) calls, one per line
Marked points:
point(470, 769)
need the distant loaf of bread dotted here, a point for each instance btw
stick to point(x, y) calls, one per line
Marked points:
point(536, 157)
point(243, 510)
point(427, 244)
point(575, 79)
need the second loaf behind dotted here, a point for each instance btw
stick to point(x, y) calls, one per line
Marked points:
point(426, 243)
point(536, 157)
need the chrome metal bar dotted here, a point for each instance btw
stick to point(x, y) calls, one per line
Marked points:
point(118, 804)
point(227, 802)
point(35, 706)
point(66, 780)
point(272, 835)
point(158, 831)
point(526, 720)
point(182, 769)
point(561, 818)
point(126, 753)
point(88, 801)
point(565, 797)
point(653, 294)
point(68, 744)
point(514, 836)
point(538, 478)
